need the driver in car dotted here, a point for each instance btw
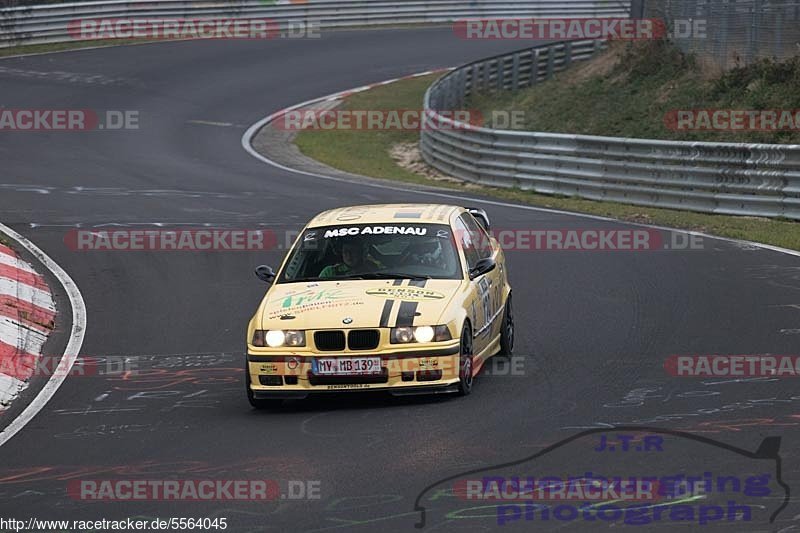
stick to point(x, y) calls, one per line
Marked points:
point(425, 253)
point(354, 261)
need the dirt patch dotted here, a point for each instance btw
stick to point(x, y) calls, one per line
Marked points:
point(408, 156)
point(598, 67)
point(639, 218)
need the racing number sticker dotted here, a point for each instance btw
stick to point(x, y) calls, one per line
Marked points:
point(490, 302)
point(484, 284)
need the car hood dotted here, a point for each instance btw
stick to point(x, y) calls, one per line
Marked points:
point(356, 303)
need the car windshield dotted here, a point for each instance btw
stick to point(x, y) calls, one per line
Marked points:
point(374, 251)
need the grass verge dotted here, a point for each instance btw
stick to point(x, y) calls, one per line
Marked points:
point(635, 89)
point(58, 47)
point(368, 153)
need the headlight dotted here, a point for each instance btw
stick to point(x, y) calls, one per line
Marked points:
point(423, 334)
point(275, 338)
point(402, 335)
point(295, 338)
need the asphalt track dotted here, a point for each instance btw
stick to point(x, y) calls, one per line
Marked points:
point(595, 328)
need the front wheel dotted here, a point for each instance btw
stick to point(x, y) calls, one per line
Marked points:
point(465, 362)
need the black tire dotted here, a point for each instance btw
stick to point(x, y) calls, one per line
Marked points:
point(258, 403)
point(465, 362)
point(507, 331)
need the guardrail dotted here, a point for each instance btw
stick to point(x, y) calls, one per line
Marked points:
point(40, 24)
point(724, 178)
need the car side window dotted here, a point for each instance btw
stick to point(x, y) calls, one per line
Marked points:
point(466, 239)
point(480, 239)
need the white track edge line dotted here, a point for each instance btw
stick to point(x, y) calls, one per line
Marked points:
point(73, 346)
point(255, 128)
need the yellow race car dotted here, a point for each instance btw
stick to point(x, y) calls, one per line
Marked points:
point(405, 298)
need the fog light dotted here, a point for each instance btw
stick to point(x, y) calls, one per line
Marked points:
point(271, 381)
point(429, 375)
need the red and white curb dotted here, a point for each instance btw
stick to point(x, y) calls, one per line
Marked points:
point(27, 313)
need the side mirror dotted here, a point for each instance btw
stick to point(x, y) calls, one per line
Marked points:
point(265, 273)
point(484, 266)
point(481, 216)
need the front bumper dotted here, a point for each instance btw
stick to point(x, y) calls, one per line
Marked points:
point(418, 390)
point(427, 371)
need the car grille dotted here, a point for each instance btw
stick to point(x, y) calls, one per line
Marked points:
point(329, 341)
point(363, 339)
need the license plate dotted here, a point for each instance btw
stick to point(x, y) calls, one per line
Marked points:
point(346, 366)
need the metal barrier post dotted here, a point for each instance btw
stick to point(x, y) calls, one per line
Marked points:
point(568, 54)
point(551, 61)
point(501, 68)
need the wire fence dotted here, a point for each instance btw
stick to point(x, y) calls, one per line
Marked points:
point(730, 33)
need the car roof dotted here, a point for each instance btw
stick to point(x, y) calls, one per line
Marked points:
point(386, 214)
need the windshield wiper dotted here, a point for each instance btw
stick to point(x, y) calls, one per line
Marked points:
point(391, 275)
point(365, 275)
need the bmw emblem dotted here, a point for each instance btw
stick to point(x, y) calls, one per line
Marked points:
point(347, 320)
